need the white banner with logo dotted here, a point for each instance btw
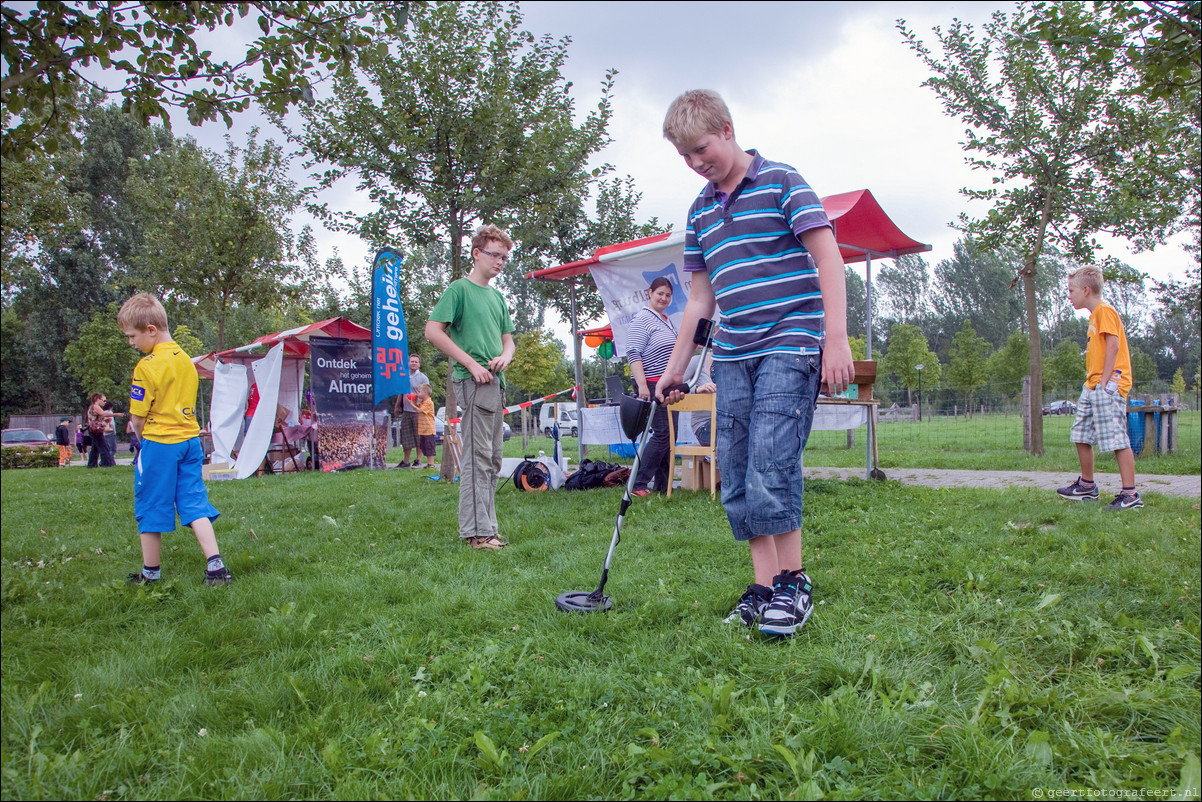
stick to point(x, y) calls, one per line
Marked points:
point(624, 281)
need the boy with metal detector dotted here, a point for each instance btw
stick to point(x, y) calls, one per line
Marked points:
point(760, 248)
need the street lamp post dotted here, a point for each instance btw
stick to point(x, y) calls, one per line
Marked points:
point(919, 369)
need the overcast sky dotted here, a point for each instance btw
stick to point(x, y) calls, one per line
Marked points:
point(829, 88)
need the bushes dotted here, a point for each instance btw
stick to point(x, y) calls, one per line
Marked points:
point(28, 457)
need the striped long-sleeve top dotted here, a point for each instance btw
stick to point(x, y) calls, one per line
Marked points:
point(649, 340)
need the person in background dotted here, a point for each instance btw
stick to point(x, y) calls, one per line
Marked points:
point(649, 344)
point(62, 438)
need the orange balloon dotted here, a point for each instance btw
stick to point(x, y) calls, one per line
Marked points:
point(594, 340)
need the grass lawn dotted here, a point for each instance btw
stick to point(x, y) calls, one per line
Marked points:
point(976, 644)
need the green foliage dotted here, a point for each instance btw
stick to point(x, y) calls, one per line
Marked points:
point(1143, 367)
point(859, 347)
point(28, 457)
point(1178, 385)
point(905, 286)
point(462, 118)
point(968, 368)
point(153, 60)
point(216, 231)
point(966, 643)
point(1009, 364)
point(907, 349)
point(101, 357)
point(536, 364)
point(1058, 178)
point(184, 338)
point(1064, 366)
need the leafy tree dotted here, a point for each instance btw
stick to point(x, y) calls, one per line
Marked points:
point(217, 231)
point(975, 285)
point(101, 357)
point(1033, 108)
point(859, 347)
point(151, 58)
point(907, 349)
point(536, 362)
point(1178, 385)
point(1143, 369)
point(1125, 291)
point(905, 286)
point(857, 308)
point(968, 367)
point(1008, 365)
point(1064, 369)
point(1177, 321)
point(466, 119)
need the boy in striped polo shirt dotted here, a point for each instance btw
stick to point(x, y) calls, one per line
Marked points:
point(167, 472)
point(761, 251)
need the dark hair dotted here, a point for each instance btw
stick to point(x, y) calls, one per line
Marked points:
point(660, 282)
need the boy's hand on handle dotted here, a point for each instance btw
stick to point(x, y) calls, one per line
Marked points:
point(837, 368)
point(671, 383)
point(480, 374)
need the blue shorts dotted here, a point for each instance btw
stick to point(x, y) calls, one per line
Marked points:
point(765, 411)
point(167, 479)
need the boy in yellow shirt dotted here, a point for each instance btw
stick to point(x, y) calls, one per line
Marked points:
point(167, 472)
point(1102, 408)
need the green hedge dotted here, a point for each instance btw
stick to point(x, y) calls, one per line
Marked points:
point(28, 457)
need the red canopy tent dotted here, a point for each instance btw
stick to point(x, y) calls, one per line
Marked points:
point(862, 228)
point(296, 342)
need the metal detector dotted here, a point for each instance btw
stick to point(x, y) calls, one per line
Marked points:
point(583, 601)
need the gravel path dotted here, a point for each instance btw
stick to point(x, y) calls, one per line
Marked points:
point(1108, 483)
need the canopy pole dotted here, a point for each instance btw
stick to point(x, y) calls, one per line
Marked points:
point(871, 431)
point(579, 382)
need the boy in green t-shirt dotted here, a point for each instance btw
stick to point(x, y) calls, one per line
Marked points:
point(471, 324)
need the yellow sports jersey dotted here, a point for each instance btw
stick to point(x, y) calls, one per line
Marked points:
point(1104, 320)
point(164, 392)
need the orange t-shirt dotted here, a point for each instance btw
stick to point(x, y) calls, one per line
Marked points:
point(1102, 321)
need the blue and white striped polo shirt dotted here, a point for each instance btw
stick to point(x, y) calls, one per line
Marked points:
point(764, 279)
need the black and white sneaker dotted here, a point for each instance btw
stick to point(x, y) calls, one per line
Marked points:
point(791, 605)
point(221, 577)
point(1078, 491)
point(751, 606)
point(140, 579)
point(1125, 501)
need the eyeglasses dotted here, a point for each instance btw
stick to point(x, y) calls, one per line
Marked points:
point(504, 257)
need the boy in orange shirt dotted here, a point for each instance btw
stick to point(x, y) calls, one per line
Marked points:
point(425, 425)
point(1102, 408)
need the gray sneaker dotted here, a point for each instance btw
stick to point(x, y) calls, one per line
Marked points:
point(222, 577)
point(1125, 501)
point(791, 605)
point(751, 606)
point(1079, 492)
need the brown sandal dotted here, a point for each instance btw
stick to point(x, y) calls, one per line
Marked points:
point(485, 542)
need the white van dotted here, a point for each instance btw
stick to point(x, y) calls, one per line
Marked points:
point(565, 413)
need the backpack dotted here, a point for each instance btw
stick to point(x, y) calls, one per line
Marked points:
point(531, 475)
point(591, 474)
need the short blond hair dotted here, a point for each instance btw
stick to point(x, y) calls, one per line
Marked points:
point(1088, 276)
point(693, 115)
point(141, 312)
point(490, 233)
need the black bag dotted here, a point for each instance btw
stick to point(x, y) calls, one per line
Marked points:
point(591, 474)
point(531, 475)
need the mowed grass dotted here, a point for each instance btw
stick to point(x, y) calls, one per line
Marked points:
point(994, 442)
point(974, 644)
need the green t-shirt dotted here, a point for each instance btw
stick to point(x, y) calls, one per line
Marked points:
point(476, 317)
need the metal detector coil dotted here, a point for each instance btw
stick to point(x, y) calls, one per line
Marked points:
point(635, 415)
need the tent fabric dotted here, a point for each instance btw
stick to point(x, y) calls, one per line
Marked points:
point(296, 343)
point(862, 229)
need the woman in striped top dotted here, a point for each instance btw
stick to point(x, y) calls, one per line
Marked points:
point(648, 348)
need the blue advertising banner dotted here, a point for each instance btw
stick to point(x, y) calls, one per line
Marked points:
point(389, 343)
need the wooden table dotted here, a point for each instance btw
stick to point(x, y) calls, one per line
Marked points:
point(864, 378)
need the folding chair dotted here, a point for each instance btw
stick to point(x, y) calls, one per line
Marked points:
point(696, 402)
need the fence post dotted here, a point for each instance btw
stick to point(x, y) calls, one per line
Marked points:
point(1026, 411)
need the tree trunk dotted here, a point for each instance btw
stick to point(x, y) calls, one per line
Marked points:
point(1035, 409)
point(455, 229)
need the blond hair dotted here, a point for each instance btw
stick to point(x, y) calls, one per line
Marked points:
point(141, 312)
point(490, 233)
point(693, 115)
point(1088, 276)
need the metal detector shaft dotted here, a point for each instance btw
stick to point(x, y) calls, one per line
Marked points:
point(701, 337)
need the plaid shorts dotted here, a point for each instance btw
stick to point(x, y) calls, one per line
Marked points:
point(1101, 420)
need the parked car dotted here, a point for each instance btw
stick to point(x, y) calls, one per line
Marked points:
point(440, 425)
point(1060, 407)
point(25, 437)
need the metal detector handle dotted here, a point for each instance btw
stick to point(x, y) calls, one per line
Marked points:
point(683, 388)
point(704, 330)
